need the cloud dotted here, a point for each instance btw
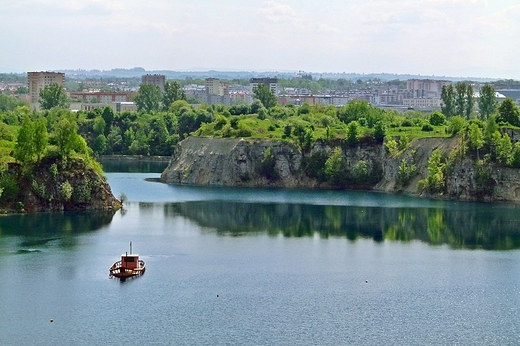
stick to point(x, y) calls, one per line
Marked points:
point(286, 17)
point(505, 21)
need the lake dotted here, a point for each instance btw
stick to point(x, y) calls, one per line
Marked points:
point(232, 266)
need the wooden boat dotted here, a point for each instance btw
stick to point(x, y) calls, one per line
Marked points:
point(128, 267)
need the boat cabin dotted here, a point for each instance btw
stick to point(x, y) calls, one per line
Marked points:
point(130, 261)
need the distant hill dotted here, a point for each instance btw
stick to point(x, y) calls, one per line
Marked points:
point(137, 72)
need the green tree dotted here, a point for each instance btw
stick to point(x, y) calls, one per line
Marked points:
point(128, 137)
point(470, 101)
point(158, 137)
point(392, 146)
point(361, 171)
point(108, 115)
point(53, 95)
point(25, 149)
point(263, 93)
point(114, 140)
point(437, 119)
point(460, 99)
point(435, 177)
point(475, 137)
point(148, 99)
point(448, 101)
point(172, 93)
point(355, 110)
point(66, 137)
point(379, 131)
point(268, 165)
point(100, 144)
point(353, 133)
point(456, 125)
point(335, 167)
point(504, 149)
point(514, 159)
point(404, 141)
point(508, 112)
point(490, 128)
point(186, 121)
point(99, 125)
point(487, 101)
point(9, 103)
point(41, 137)
point(405, 173)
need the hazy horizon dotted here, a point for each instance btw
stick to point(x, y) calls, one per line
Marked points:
point(456, 38)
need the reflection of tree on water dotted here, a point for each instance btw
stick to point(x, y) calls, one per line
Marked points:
point(465, 226)
point(40, 229)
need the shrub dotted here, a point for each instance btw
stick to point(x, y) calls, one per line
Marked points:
point(406, 123)
point(427, 128)
point(361, 171)
point(10, 186)
point(406, 173)
point(437, 119)
point(335, 167)
point(267, 165)
point(65, 191)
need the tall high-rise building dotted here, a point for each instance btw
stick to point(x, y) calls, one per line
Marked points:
point(215, 87)
point(154, 79)
point(39, 80)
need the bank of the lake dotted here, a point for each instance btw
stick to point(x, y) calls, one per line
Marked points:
point(369, 166)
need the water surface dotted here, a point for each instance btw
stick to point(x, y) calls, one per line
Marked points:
point(259, 266)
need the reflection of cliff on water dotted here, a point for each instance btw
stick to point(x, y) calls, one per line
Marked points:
point(40, 229)
point(466, 226)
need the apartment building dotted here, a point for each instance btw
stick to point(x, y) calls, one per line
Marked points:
point(217, 92)
point(271, 82)
point(39, 80)
point(102, 97)
point(425, 88)
point(154, 79)
point(427, 103)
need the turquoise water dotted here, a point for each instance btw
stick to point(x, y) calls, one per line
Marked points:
point(263, 267)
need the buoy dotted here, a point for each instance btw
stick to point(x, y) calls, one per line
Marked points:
point(52, 320)
point(217, 295)
point(366, 281)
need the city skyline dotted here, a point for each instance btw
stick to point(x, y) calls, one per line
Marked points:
point(467, 38)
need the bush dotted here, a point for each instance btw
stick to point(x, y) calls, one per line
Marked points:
point(406, 123)
point(361, 172)
point(406, 173)
point(65, 191)
point(437, 119)
point(10, 188)
point(267, 165)
point(427, 128)
point(335, 167)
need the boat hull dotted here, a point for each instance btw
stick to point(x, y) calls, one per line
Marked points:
point(118, 271)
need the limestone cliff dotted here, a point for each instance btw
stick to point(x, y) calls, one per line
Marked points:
point(60, 185)
point(238, 162)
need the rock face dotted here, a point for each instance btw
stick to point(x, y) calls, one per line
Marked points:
point(238, 162)
point(231, 162)
point(57, 185)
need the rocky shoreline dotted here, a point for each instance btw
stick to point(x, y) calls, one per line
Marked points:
point(237, 162)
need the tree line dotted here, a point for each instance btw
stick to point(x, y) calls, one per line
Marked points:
point(165, 118)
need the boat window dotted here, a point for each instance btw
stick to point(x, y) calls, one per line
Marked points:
point(129, 259)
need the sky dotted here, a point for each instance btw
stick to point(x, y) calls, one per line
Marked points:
point(455, 38)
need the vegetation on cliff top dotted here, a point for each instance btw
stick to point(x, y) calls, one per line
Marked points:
point(47, 170)
point(486, 134)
